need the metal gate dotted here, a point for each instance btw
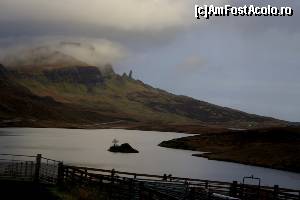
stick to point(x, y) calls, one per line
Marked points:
point(250, 191)
point(28, 168)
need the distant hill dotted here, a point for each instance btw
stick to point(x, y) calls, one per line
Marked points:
point(60, 88)
point(275, 147)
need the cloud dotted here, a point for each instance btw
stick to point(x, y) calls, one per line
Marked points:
point(133, 15)
point(92, 51)
point(134, 24)
point(163, 41)
point(191, 64)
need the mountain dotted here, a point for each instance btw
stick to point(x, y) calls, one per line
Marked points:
point(44, 56)
point(85, 95)
point(20, 107)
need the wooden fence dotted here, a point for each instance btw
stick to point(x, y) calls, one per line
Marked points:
point(126, 185)
point(175, 187)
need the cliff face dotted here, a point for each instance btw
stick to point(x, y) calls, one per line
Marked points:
point(98, 94)
point(22, 105)
point(89, 76)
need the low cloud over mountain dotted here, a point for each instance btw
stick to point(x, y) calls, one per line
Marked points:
point(251, 63)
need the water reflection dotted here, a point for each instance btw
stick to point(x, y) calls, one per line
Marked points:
point(89, 148)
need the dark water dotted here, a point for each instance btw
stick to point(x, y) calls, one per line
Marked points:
point(89, 148)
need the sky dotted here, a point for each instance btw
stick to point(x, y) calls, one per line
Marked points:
point(247, 63)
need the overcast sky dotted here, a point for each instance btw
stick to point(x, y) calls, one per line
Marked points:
point(248, 63)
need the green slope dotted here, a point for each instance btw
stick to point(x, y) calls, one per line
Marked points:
point(115, 94)
point(74, 84)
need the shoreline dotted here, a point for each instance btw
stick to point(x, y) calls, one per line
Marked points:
point(244, 163)
point(142, 126)
point(274, 148)
point(203, 140)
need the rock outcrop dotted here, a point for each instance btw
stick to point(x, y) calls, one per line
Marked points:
point(123, 148)
point(89, 76)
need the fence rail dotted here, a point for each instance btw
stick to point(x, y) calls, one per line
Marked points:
point(28, 168)
point(127, 185)
point(182, 188)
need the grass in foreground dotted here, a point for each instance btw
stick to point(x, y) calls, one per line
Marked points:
point(16, 190)
point(77, 192)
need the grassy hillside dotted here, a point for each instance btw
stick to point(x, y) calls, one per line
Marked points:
point(71, 82)
point(112, 94)
point(98, 95)
point(272, 147)
point(22, 107)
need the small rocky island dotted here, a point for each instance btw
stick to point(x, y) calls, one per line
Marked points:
point(123, 148)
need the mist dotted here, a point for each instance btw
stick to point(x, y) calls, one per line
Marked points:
point(248, 63)
point(87, 51)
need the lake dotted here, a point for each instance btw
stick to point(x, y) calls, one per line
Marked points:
point(89, 148)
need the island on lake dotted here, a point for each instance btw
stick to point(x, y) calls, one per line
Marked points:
point(123, 148)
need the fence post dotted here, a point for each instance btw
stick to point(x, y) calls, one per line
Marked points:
point(113, 172)
point(60, 173)
point(37, 168)
point(233, 189)
point(67, 172)
point(170, 177)
point(86, 174)
point(81, 177)
point(73, 175)
point(206, 184)
point(26, 168)
point(276, 191)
